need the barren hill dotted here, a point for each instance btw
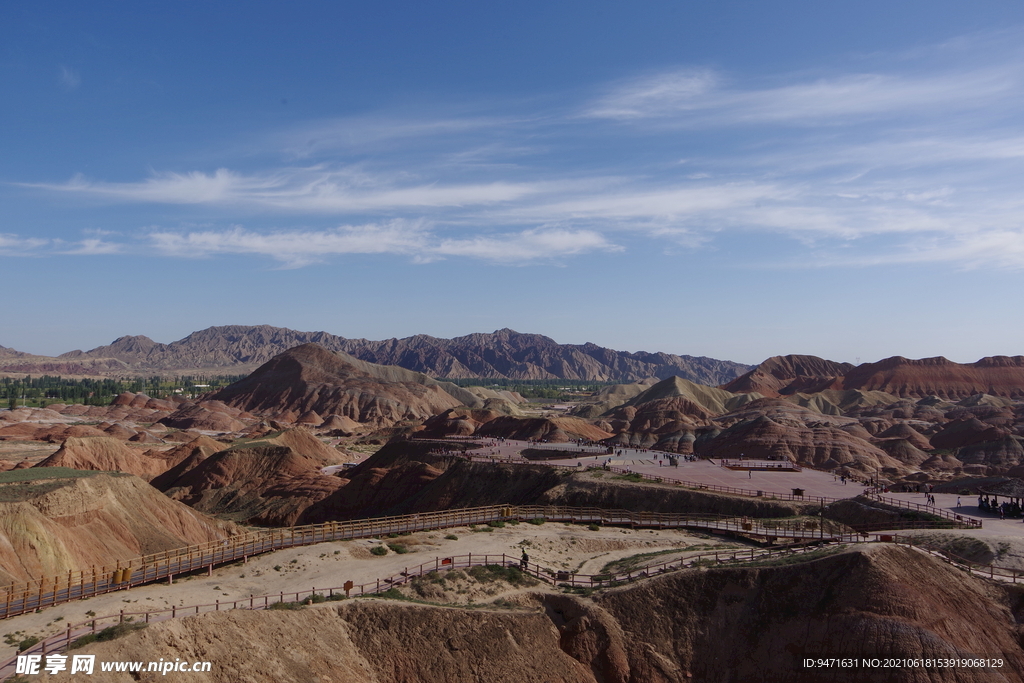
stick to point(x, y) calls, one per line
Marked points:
point(790, 374)
point(1000, 376)
point(264, 481)
point(10, 353)
point(105, 454)
point(311, 378)
point(996, 376)
point(236, 349)
point(54, 520)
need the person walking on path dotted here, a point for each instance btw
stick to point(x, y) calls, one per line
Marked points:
point(958, 501)
point(524, 561)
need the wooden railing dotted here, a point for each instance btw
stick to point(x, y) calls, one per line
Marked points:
point(29, 596)
point(958, 519)
point(969, 522)
point(21, 598)
point(61, 641)
point(567, 579)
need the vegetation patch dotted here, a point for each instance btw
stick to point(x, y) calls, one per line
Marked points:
point(496, 572)
point(788, 559)
point(641, 560)
point(109, 633)
point(27, 643)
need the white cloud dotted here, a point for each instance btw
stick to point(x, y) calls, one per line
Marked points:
point(95, 247)
point(675, 91)
point(528, 245)
point(13, 245)
point(313, 190)
point(415, 239)
point(698, 99)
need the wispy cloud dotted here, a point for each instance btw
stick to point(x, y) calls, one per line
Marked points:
point(914, 159)
point(94, 247)
point(14, 245)
point(415, 239)
point(69, 78)
point(314, 189)
point(699, 98)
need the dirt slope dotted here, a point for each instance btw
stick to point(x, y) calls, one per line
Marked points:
point(311, 378)
point(50, 526)
point(264, 481)
point(105, 454)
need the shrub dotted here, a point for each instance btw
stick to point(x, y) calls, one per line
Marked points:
point(391, 594)
point(27, 643)
point(109, 633)
point(498, 524)
point(452, 537)
point(378, 550)
point(594, 527)
point(398, 548)
point(538, 521)
point(286, 605)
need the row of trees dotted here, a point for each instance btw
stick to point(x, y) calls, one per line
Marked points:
point(44, 389)
point(534, 388)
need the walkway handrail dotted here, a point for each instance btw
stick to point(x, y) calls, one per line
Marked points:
point(928, 509)
point(568, 579)
point(21, 598)
point(61, 641)
point(750, 493)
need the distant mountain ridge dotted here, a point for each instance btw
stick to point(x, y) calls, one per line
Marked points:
point(501, 354)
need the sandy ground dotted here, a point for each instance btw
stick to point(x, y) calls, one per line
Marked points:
point(329, 565)
point(33, 451)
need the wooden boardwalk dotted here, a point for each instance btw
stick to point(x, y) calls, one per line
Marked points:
point(29, 596)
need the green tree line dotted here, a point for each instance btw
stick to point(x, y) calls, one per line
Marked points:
point(46, 389)
point(534, 388)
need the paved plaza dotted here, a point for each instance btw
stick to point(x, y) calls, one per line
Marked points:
point(815, 484)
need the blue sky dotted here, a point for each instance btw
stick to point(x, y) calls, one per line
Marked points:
point(732, 179)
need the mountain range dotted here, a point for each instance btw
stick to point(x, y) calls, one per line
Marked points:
point(239, 349)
